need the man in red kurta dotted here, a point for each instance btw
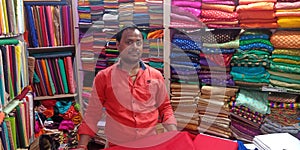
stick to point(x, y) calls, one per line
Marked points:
point(133, 93)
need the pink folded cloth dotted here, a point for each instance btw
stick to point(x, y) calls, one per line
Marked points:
point(66, 125)
point(287, 5)
point(187, 11)
point(187, 4)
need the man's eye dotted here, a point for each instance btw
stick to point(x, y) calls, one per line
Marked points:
point(139, 43)
point(129, 42)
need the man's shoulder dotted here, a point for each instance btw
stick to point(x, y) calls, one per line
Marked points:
point(105, 71)
point(154, 71)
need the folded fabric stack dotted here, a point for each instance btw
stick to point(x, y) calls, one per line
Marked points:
point(288, 13)
point(141, 16)
point(125, 13)
point(285, 110)
point(111, 52)
point(219, 13)
point(184, 102)
point(153, 55)
point(284, 67)
point(214, 110)
point(111, 16)
point(156, 13)
point(184, 58)
point(257, 14)
point(218, 47)
point(84, 14)
point(249, 63)
point(248, 113)
point(185, 13)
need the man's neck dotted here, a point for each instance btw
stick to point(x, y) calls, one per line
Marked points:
point(131, 68)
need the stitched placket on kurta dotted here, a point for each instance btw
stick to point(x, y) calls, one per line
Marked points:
point(133, 86)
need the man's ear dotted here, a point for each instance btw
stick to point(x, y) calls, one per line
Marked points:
point(117, 44)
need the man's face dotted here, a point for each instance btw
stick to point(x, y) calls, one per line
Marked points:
point(131, 46)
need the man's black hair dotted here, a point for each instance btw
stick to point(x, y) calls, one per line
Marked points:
point(120, 33)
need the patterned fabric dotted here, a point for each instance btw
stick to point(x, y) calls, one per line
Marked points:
point(283, 67)
point(293, 52)
point(284, 105)
point(282, 74)
point(207, 50)
point(218, 14)
point(248, 114)
point(286, 39)
point(285, 117)
point(271, 126)
point(255, 100)
point(285, 84)
point(281, 97)
point(219, 36)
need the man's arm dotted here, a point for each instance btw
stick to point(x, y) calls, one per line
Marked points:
point(170, 127)
point(83, 141)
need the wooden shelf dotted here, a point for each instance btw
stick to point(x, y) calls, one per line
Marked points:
point(38, 50)
point(38, 98)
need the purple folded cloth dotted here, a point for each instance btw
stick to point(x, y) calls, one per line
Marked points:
point(218, 82)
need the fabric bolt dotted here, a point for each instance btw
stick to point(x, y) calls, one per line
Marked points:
point(248, 114)
point(250, 84)
point(219, 59)
point(240, 135)
point(226, 8)
point(231, 44)
point(273, 127)
point(214, 130)
point(255, 100)
point(250, 74)
point(284, 79)
point(288, 22)
point(287, 75)
point(287, 5)
point(244, 2)
point(270, 48)
point(208, 50)
point(292, 52)
point(222, 2)
point(215, 75)
point(219, 82)
point(214, 90)
point(243, 121)
point(219, 36)
point(284, 105)
point(247, 130)
point(287, 61)
point(286, 39)
point(218, 14)
point(286, 117)
point(284, 98)
point(257, 14)
point(255, 6)
point(194, 4)
point(245, 36)
point(284, 67)
point(284, 84)
point(221, 25)
point(188, 11)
